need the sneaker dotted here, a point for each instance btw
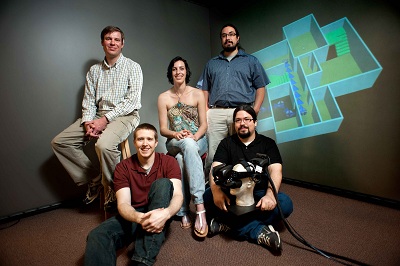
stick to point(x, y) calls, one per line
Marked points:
point(269, 238)
point(110, 201)
point(217, 227)
point(93, 192)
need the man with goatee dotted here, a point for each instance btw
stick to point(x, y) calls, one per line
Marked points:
point(230, 79)
point(246, 145)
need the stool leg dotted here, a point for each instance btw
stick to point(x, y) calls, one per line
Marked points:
point(126, 153)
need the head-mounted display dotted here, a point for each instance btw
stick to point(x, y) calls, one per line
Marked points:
point(227, 176)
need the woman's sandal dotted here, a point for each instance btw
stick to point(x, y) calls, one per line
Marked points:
point(186, 223)
point(197, 232)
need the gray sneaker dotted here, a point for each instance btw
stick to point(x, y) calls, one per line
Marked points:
point(270, 238)
point(217, 227)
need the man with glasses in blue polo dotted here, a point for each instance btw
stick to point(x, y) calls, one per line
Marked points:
point(228, 80)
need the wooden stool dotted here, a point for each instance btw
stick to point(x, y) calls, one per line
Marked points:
point(126, 153)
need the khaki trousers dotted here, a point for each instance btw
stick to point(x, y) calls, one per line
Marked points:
point(68, 147)
point(220, 126)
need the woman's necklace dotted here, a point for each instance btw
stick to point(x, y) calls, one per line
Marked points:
point(179, 104)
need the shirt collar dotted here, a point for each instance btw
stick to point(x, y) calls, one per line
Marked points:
point(239, 53)
point(237, 139)
point(116, 63)
point(136, 164)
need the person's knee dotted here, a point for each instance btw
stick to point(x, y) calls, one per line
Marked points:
point(161, 183)
point(189, 144)
point(55, 142)
point(95, 234)
point(160, 194)
point(104, 146)
point(286, 205)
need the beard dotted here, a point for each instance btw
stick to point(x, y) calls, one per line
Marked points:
point(229, 48)
point(244, 135)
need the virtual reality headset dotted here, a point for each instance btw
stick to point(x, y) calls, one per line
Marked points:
point(228, 176)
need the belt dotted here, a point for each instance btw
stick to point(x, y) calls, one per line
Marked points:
point(215, 106)
point(221, 107)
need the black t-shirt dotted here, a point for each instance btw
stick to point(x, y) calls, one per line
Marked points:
point(231, 150)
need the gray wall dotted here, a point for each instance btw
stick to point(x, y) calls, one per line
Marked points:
point(363, 155)
point(48, 47)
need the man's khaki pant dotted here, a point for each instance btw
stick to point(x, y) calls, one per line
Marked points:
point(68, 147)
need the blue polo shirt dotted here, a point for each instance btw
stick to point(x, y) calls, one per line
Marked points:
point(232, 83)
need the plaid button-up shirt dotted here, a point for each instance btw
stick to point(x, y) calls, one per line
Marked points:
point(113, 91)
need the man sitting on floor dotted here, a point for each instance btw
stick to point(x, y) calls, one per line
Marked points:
point(246, 144)
point(149, 192)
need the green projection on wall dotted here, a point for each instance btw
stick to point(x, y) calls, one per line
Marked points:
point(308, 69)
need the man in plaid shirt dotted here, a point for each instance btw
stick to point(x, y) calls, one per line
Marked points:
point(109, 114)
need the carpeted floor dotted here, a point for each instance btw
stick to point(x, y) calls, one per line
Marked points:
point(360, 231)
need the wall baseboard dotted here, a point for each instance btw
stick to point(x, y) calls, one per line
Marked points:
point(35, 211)
point(344, 193)
point(331, 190)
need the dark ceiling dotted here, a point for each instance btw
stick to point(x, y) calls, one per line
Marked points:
point(222, 5)
point(205, 3)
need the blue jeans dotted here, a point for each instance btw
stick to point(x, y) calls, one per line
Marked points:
point(116, 232)
point(188, 153)
point(248, 226)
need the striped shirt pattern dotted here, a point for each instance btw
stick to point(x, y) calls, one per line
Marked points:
point(112, 91)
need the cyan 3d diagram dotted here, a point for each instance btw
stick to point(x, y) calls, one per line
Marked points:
point(308, 69)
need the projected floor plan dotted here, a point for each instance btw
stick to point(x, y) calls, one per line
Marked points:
point(308, 69)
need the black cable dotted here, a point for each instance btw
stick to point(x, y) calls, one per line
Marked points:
point(264, 161)
point(301, 239)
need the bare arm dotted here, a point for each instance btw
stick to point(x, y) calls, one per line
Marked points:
point(162, 116)
point(220, 198)
point(260, 94)
point(125, 208)
point(154, 220)
point(177, 197)
point(268, 202)
point(206, 99)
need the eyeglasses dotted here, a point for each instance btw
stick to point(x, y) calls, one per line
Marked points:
point(230, 34)
point(245, 120)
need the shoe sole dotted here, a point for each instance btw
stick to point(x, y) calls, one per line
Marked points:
point(188, 223)
point(197, 232)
